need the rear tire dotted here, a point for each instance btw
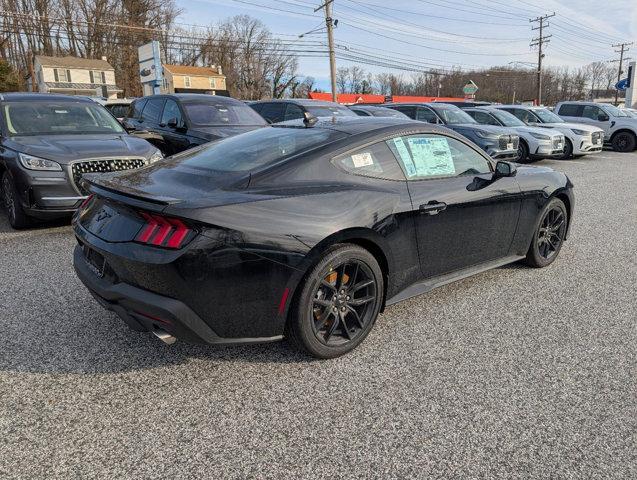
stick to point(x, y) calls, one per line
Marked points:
point(568, 150)
point(549, 235)
point(17, 217)
point(624, 142)
point(338, 304)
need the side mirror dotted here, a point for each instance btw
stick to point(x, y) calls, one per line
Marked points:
point(602, 117)
point(173, 123)
point(504, 169)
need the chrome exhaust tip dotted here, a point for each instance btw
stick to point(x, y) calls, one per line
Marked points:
point(164, 336)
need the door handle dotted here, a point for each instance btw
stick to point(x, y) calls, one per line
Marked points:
point(433, 207)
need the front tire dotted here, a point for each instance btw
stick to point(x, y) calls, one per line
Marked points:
point(523, 153)
point(549, 235)
point(624, 142)
point(568, 150)
point(338, 304)
point(17, 217)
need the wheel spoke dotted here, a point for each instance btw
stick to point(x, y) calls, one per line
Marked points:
point(356, 316)
point(352, 280)
point(361, 285)
point(322, 303)
point(344, 327)
point(330, 331)
point(320, 323)
point(327, 284)
point(340, 273)
point(357, 302)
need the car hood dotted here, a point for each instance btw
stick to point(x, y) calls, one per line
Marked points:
point(537, 130)
point(570, 126)
point(66, 148)
point(487, 128)
point(214, 133)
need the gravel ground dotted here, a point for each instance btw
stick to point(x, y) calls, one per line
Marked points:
point(512, 373)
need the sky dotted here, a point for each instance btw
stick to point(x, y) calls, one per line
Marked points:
point(440, 34)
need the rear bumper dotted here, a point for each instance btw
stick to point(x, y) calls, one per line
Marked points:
point(147, 311)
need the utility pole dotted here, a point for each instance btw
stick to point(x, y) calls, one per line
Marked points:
point(329, 23)
point(539, 42)
point(623, 47)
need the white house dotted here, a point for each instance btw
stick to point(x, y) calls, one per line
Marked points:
point(75, 76)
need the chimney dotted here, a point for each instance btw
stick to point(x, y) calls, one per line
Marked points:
point(104, 58)
point(219, 70)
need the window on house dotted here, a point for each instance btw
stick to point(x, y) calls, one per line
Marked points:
point(62, 75)
point(187, 81)
point(213, 83)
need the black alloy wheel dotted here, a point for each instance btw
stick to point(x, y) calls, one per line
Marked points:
point(549, 236)
point(523, 153)
point(624, 142)
point(339, 302)
point(17, 217)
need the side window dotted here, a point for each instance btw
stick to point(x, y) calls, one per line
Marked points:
point(570, 110)
point(292, 112)
point(426, 115)
point(152, 110)
point(257, 107)
point(591, 112)
point(426, 156)
point(171, 110)
point(361, 113)
point(374, 160)
point(135, 110)
point(409, 111)
point(483, 117)
point(273, 112)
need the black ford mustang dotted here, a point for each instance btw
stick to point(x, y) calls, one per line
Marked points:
point(309, 231)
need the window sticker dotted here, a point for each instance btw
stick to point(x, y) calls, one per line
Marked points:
point(362, 160)
point(405, 157)
point(431, 156)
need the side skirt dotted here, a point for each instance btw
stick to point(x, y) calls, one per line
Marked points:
point(425, 286)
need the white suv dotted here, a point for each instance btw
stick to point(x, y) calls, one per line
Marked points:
point(580, 139)
point(620, 128)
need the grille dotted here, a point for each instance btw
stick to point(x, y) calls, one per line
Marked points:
point(557, 141)
point(596, 136)
point(506, 139)
point(102, 166)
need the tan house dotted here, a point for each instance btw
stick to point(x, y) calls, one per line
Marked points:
point(187, 79)
point(74, 76)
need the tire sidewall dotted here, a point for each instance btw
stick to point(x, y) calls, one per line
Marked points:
point(300, 321)
point(525, 153)
point(17, 218)
point(630, 142)
point(568, 149)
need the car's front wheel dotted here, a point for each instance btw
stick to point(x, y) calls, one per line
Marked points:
point(338, 304)
point(624, 142)
point(568, 150)
point(523, 153)
point(17, 217)
point(549, 235)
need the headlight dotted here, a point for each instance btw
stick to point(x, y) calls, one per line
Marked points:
point(579, 132)
point(157, 155)
point(37, 163)
point(539, 136)
point(485, 134)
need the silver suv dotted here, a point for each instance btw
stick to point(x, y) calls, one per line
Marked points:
point(620, 128)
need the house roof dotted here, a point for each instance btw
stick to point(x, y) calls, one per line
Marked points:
point(192, 71)
point(74, 62)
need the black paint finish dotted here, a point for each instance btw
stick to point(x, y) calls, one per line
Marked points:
point(258, 232)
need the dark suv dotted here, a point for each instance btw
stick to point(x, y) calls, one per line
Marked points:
point(47, 142)
point(498, 142)
point(174, 123)
point(275, 111)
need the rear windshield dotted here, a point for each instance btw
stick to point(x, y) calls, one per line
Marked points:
point(51, 118)
point(330, 111)
point(210, 114)
point(257, 148)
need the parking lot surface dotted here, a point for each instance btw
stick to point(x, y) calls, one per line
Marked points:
point(515, 372)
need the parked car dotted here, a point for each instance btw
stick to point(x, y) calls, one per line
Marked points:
point(47, 142)
point(118, 107)
point(580, 139)
point(631, 111)
point(498, 142)
point(620, 128)
point(177, 122)
point(276, 111)
point(535, 143)
point(309, 231)
point(376, 111)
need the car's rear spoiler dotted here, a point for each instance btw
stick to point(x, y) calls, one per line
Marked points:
point(155, 203)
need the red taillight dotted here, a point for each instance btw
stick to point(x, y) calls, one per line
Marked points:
point(162, 231)
point(86, 201)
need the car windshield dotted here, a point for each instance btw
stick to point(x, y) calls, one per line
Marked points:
point(507, 119)
point(57, 118)
point(452, 115)
point(614, 111)
point(118, 110)
point(546, 116)
point(210, 114)
point(329, 111)
point(256, 149)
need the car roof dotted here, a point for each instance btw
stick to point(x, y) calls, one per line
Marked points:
point(369, 107)
point(195, 97)
point(301, 101)
point(43, 97)
point(352, 125)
